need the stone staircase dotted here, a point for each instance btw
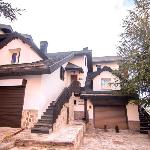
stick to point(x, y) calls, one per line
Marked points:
point(144, 120)
point(44, 125)
point(49, 117)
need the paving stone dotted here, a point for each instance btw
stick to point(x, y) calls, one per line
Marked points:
point(67, 138)
point(97, 139)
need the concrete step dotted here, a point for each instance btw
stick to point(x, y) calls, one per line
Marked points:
point(50, 107)
point(144, 131)
point(47, 116)
point(67, 138)
point(48, 121)
point(145, 122)
point(39, 125)
point(48, 112)
point(43, 130)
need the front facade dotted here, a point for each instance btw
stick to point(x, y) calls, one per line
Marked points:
point(104, 108)
point(32, 79)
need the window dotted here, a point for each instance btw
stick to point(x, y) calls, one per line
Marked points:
point(105, 83)
point(14, 58)
point(75, 102)
point(62, 73)
point(15, 55)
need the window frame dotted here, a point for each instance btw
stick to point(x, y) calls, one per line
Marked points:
point(106, 87)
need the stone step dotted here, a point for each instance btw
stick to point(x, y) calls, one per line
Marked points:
point(49, 110)
point(144, 128)
point(43, 130)
point(144, 131)
point(48, 113)
point(47, 116)
point(39, 125)
point(48, 121)
point(145, 122)
point(50, 107)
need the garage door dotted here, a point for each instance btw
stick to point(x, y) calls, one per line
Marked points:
point(11, 104)
point(110, 116)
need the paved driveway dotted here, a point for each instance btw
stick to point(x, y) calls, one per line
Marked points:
point(97, 139)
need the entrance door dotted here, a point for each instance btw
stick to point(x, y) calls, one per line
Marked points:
point(73, 77)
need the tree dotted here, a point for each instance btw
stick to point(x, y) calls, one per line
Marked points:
point(8, 11)
point(134, 48)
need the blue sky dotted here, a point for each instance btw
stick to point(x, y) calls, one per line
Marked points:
point(128, 3)
point(73, 24)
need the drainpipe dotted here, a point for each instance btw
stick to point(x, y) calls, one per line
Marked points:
point(85, 110)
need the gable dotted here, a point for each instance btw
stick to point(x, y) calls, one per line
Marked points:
point(112, 65)
point(25, 53)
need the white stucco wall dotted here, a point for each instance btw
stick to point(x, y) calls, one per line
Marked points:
point(11, 82)
point(79, 61)
point(51, 87)
point(42, 90)
point(105, 74)
point(97, 81)
point(79, 104)
point(32, 92)
point(112, 65)
point(132, 112)
point(27, 55)
point(90, 109)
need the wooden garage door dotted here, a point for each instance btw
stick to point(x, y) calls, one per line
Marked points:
point(110, 116)
point(11, 104)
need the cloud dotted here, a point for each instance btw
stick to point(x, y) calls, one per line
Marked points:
point(73, 24)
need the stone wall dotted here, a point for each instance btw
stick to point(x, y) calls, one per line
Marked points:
point(90, 124)
point(63, 118)
point(29, 118)
point(66, 116)
point(71, 109)
point(78, 115)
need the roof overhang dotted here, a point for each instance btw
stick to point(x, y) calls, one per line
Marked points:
point(73, 67)
point(105, 98)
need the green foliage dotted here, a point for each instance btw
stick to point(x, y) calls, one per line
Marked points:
point(8, 11)
point(134, 48)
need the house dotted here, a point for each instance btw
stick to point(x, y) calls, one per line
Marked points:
point(45, 91)
point(104, 107)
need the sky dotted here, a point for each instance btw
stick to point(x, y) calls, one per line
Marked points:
point(70, 25)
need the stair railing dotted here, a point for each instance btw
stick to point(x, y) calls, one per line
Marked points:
point(64, 97)
point(146, 114)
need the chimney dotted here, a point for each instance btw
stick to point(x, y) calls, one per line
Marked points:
point(98, 67)
point(85, 48)
point(43, 46)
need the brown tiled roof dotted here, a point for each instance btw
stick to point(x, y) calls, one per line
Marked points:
point(71, 66)
point(49, 64)
point(6, 28)
point(6, 38)
point(36, 68)
point(86, 52)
